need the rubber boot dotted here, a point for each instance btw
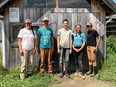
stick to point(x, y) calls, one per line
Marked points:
point(90, 70)
point(94, 72)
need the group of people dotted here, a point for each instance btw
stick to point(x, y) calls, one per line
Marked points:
point(67, 42)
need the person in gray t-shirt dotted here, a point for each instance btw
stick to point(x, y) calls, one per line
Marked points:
point(64, 44)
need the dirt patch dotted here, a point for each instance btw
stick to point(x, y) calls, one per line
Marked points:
point(78, 82)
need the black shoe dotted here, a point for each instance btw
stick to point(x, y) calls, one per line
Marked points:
point(61, 75)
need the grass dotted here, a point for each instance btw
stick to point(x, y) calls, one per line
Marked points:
point(108, 71)
point(10, 78)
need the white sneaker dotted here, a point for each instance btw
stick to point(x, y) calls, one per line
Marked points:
point(83, 77)
point(76, 74)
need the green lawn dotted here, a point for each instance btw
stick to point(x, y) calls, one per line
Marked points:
point(108, 71)
point(10, 78)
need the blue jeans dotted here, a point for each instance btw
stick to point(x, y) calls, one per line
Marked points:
point(64, 60)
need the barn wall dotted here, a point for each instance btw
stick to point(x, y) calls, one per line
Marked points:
point(75, 16)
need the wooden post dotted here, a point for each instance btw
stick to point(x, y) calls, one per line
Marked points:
point(3, 45)
point(57, 3)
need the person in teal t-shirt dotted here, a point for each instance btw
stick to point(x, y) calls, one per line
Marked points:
point(45, 35)
point(78, 45)
point(46, 46)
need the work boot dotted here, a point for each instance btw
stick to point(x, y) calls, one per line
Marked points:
point(61, 75)
point(90, 70)
point(66, 70)
point(61, 70)
point(67, 75)
point(94, 72)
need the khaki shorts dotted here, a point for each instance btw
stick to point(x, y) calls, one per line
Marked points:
point(91, 51)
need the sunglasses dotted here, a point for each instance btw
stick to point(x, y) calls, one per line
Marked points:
point(88, 26)
point(27, 23)
point(46, 21)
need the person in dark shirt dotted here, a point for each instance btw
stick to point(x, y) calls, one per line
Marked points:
point(92, 46)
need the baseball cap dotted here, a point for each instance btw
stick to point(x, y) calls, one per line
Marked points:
point(89, 24)
point(28, 21)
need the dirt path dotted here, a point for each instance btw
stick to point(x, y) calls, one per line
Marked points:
point(78, 82)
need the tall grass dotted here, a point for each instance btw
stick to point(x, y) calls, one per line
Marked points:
point(108, 71)
point(10, 78)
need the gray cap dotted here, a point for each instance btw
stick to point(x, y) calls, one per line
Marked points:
point(28, 21)
point(89, 24)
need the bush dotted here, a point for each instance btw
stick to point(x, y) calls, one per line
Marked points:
point(111, 45)
point(108, 71)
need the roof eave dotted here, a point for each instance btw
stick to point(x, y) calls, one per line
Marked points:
point(111, 5)
point(3, 3)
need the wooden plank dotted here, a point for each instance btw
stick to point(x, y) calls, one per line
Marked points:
point(17, 57)
point(82, 20)
point(60, 19)
point(26, 13)
point(34, 14)
point(69, 17)
point(82, 10)
point(53, 17)
point(57, 3)
point(74, 21)
point(31, 12)
point(7, 30)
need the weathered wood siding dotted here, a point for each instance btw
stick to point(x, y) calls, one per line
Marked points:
point(56, 16)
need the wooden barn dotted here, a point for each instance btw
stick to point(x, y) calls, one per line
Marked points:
point(111, 25)
point(76, 11)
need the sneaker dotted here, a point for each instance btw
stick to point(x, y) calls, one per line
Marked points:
point(83, 77)
point(76, 74)
point(22, 78)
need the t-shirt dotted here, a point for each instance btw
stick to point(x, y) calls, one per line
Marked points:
point(78, 39)
point(91, 37)
point(27, 38)
point(64, 37)
point(45, 37)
